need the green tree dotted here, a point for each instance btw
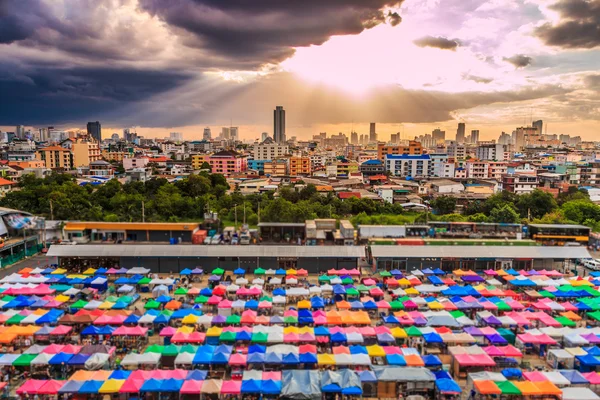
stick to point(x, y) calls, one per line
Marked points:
point(580, 211)
point(505, 214)
point(536, 204)
point(444, 205)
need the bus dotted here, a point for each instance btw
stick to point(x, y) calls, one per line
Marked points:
point(559, 235)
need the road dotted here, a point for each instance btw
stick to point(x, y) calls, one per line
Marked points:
point(39, 260)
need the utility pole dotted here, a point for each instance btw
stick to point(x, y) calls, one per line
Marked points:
point(244, 213)
point(143, 211)
point(51, 210)
point(235, 212)
point(259, 211)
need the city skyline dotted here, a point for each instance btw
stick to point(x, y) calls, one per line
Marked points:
point(422, 63)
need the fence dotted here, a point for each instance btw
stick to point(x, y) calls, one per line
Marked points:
point(19, 255)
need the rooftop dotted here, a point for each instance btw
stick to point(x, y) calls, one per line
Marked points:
point(491, 252)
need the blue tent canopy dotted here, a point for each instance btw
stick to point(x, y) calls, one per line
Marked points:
point(594, 351)
point(257, 348)
point(206, 292)
point(163, 298)
point(441, 374)
point(395, 359)
point(391, 319)
point(185, 271)
point(132, 319)
point(60, 358)
point(331, 388)
point(367, 376)
point(438, 271)
point(151, 385)
point(588, 360)
point(290, 359)
point(239, 271)
point(317, 302)
point(252, 304)
point(432, 337)
point(279, 292)
point(370, 305)
point(197, 375)
point(271, 387)
point(308, 358)
point(90, 330)
point(280, 272)
point(202, 357)
point(243, 336)
point(356, 349)
point(78, 359)
point(512, 373)
point(251, 386)
point(339, 337)
point(574, 377)
point(71, 387)
point(273, 358)
point(256, 358)
point(435, 280)
point(321, 331)
point(447, 386)
point(352, 391)
point(431, 360)
point(120, 374)
point(171, 385)
point(91, 387)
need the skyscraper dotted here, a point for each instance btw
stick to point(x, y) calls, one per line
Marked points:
point(372, 132)
point(539, 124)
point(438, 135)
point(279, 125)
point(224, 133)
point(206, 135)
point(475, 136)
point(353, 137)
point(94, 130)
point(460, 132)
point(176, 136)
point(20, 131)
point(234, 133)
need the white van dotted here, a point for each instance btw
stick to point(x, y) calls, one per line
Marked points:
point(591, 264)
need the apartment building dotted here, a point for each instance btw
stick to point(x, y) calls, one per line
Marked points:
point(413, 148)
point(408, 165)
point(299, 166)
point(520, 183)
point(269, 150)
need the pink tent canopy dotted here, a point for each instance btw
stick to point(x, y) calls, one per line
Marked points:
point(53, 349)
point(231, 387)
point(168, 374)
point(479, 360)
point(132, 385)
point(71, 349)
point(214, 300)
point(191, 387)
point(61, 330)
point(490, 272)
point(493, 351)
point(130, 331)
point(32, 386)
point(168, 331)
point(51, 387)
point(274, 375)
point(592, 377)
point(225, 304)
point(238, 359)
point(535, 376)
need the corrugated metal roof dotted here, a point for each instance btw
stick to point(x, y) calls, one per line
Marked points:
point(503, 252)
point(150, 250)
point(559, 226)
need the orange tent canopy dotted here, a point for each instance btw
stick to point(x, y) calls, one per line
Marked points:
point(487, 387)
point(548, 388)
point(528, 388)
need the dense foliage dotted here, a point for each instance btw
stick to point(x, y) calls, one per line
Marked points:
point(60, 197)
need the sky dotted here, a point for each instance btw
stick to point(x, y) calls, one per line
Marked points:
point(335, 65)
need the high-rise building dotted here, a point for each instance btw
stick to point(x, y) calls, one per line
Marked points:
point(519, 136)
point(372, 132)
point(224, 133)
point(207, 135)
point(129, 135)
point(264, 136)
point(504, 138)
point(438, 135)
point(475, 136)
point(353, 137)
point(234, 133)
point(43, 134)
point(539, 124)
point(394, 138)
point(94, 130)
point(460, 132)
point(279, 125)
point(176, 136)
point(20, 131)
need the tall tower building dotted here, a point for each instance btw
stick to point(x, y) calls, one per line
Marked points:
point(372, 132)
point(539, 124)
point(20, 131)
point(460, 133)
point(438, 135)
point(224, 133)
point(206, 135)
point(475, 136)
point(94, 130)
point(234, 133)
point(353, 137)
point(279, 125)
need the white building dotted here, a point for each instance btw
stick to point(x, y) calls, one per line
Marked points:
point(269, 150)
point(438, 164)
point(445, 186)
point(492, 152)
point(478, 169)
point(408, 165)
point(456, 150)
point(176, 136)
point(206, 134)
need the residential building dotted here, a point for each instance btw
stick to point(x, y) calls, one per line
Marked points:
point(264, 136)
point(538, 125)
point(354, 137)
point(520, 183)
point(109, 155)
point(475, 136)
point(345, 168)
point(199, 145)
point(56, 158)
point(94, 131)
point(437, 166)
point(317, 161)
point(408, 165)
point(460, 133)
point(571, 171)
point(277, 167)
point(20, 132)
point(505, 139)
point(372, 168)
point(20, 150)
point(176, 136)
point(497, 170)
point(269, 150)
point(413, 148)
point(492, 152)
point(279, 125)
point(335, 141)
point(253, 186)
point(227, 162)
point(137, 163)
point(446, 186)
point(456, 150)
point(299, 166)
point(256, 165)
point(100, 169)
point(478, 169)
point(520, 136)
point(85, 152)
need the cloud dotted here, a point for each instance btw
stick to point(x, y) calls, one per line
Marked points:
point(265, 31)
point(478, 79)
point(50, 95)
point(438, 42)
point(519, 60)
point(592, 82)
point(579, 26)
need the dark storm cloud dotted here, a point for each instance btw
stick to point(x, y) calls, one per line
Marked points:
point(53, 95)
point(519, 60)
point(262, 31)
point(394, 18)
point(437, 42)
point(579, 27)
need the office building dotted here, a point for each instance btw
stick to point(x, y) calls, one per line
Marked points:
point(492, 152)
point(56, 158)
point(504, 138)
point(354, 138)
point(20, 131)
point(438, 136)
point(43, 134)
point(234, 133)
point(129, 135)
point(395, 138)
point(264, 136)
point(475, 136)
point(269, 150)
point(94, 130)
point(539, 125)
point(372, 132)
point(224, 133)
point(206, 134)
point(456, 150)
point(279, 125)
point(460, 132)
point(413, 148)
point(520, 136)
point(176, 136)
